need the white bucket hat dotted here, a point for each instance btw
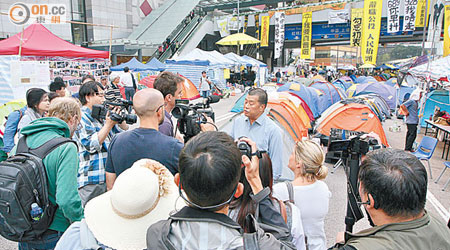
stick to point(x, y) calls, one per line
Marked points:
point(141, 196)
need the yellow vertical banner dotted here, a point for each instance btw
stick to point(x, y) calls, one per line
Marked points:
point(306, 35)
point(226, 73)
point(446, 31)
point(265, 22)
point(371, 30)
point(356, 27)
point(420, 12)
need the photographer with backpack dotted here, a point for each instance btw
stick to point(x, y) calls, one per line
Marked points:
point(38, 184)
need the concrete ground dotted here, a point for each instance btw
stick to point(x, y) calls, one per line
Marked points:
point(438, 202)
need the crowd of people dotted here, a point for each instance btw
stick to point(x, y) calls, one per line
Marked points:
point(146, 188)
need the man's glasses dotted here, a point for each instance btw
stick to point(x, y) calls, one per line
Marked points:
point(101, 94)
point(162, 105)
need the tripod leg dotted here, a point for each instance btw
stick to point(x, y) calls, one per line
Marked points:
point(337, 165)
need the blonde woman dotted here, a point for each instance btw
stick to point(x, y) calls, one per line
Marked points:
point(310, 193)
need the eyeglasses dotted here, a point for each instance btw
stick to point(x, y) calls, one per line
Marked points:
point(207, 207)
point(162, 105)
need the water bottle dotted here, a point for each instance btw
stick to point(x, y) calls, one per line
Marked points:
point(36, 212)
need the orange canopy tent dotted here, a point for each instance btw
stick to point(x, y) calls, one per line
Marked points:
point(354, 117)
point(190, 92)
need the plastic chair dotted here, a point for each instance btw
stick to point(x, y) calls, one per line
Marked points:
point(425, 150)
point(446, 165)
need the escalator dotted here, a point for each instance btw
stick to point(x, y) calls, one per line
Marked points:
point(162, 22)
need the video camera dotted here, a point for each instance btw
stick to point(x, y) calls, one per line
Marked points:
point(352, 150)
point(190, 116)
point(100, 111)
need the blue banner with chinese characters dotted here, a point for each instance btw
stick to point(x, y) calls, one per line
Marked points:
point(342, 30)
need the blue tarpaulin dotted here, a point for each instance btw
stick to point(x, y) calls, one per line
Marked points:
point(437, 98)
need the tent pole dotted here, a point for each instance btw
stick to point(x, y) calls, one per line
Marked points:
point(110, 42)
point(20, 45)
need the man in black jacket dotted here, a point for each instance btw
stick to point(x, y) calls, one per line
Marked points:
point(209, 172)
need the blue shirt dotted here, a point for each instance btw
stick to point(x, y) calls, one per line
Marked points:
point(140, 143)
point(92, 154)
point(412, 107)
point(11, 128)
point(267, 136)
point(167, 126)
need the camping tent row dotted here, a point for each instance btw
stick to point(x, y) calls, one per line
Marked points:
point(368, 85)
point(213, 63)
point(36, 43)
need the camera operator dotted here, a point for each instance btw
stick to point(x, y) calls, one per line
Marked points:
point(93, 138)
point(145, 141)
point(393, 189)
point(169, 84)
point(255, 125)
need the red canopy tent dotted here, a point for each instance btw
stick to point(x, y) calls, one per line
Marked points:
point(39, 41)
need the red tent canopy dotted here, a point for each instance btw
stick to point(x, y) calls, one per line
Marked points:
point(39, 41)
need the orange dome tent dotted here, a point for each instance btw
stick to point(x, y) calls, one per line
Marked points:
point(190, 92)
point(285, 113)
point(354, 117)
point(296, 104)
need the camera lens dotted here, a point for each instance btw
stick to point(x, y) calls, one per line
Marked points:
point(177, 112)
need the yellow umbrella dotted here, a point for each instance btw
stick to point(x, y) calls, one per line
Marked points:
point(238, 39)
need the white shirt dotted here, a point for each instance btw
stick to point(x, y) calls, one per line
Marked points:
point(313, 201)
point(205, 85)
point(126, 80)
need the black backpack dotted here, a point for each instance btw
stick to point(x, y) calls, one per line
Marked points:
point(23, 181)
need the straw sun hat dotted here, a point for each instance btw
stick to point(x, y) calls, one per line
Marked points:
point(141, 196)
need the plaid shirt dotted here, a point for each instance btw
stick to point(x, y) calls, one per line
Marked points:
point(92, 155)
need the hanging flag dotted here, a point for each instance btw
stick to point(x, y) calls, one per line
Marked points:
point(222, 25)
point(409, 18)
point(420, 17)
point(306, 35)
point(265, 22)
point(279, 33)
point(257, 28)
point(233, 23)
point(371, 30)
point(245, 23)
point(338, 16)
point(356, 27)
point(446, 31)
point(393, 17)
point(435, 21)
